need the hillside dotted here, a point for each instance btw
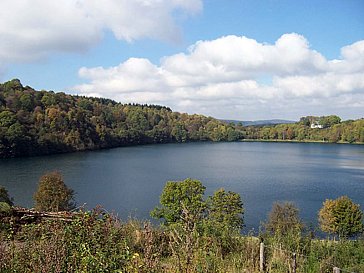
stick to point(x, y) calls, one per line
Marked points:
point(44, 122)
point(260, 122)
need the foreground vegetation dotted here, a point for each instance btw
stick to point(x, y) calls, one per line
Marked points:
point(98, 242)
point(197, 234)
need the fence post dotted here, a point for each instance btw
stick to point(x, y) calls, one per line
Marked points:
point(294, 263)
point(336, 270)
point(261, 258)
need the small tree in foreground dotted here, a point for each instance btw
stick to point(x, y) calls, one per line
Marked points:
point(53, 194)
point(284, 218)
point(189, 217)
point(226, 209)
point(222, 209)
point(179, 196)
point(341, 217)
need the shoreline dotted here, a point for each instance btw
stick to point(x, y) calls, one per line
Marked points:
point(300, 141)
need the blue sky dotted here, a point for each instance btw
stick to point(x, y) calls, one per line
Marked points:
point(229, 59)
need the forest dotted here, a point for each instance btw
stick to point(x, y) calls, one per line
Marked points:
point(44, 122)
point(332, 130)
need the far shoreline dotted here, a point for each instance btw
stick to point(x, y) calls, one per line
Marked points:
point(300, 141)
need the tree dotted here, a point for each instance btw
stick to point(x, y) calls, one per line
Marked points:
point(222, 211)
point(341, 217)
point(283, 218)
point(4, 196)
point(53, 194)
point(179, 196)
point(226, 209)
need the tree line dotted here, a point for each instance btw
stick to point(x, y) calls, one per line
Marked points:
point(332, 130)
point(44, 122)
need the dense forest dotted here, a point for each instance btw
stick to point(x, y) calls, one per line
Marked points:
point(328, 129)
point(44, 122)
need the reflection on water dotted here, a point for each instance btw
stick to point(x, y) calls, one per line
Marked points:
point(129, 180)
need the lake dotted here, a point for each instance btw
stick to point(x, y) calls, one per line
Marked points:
point(129, 180)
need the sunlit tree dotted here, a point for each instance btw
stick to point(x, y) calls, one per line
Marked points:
point(53, 194)
point(341, 217)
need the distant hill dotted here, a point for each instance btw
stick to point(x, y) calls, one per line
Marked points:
point(261, 122)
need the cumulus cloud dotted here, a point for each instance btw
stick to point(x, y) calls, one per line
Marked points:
point(239, 77)
point(33, 29)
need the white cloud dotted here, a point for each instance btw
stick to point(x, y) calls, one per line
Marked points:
point(34, 29)
point(223, 78)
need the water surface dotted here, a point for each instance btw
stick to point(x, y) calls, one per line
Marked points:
point(129, 180)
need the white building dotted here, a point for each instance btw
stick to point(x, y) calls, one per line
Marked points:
point(316, 126)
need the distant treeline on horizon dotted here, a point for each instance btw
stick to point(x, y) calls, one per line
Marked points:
point(44, 122)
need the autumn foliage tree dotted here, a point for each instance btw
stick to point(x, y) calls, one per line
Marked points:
point(341, 217)
point(53, 194)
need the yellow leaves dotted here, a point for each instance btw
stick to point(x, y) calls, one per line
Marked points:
point(341, 216)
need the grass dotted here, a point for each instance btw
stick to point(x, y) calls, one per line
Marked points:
point(99, 242)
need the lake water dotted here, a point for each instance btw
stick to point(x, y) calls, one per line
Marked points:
point(129, 180)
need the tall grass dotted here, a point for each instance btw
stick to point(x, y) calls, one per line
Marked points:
point(99, 242)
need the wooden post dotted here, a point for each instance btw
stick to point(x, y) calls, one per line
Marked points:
point(336, 270)
point(294, 263)
point(261, 258)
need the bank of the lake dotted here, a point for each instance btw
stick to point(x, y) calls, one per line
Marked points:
point(300, 141)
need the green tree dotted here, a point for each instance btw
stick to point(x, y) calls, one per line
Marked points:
point(7, 118)
point(226, 210)
point(341, 217)
point(179, 196)
point(53, 194)
point(222, 211)
point(283, 218)
point(4, 196)
point(179, 132)
point(328, 121)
